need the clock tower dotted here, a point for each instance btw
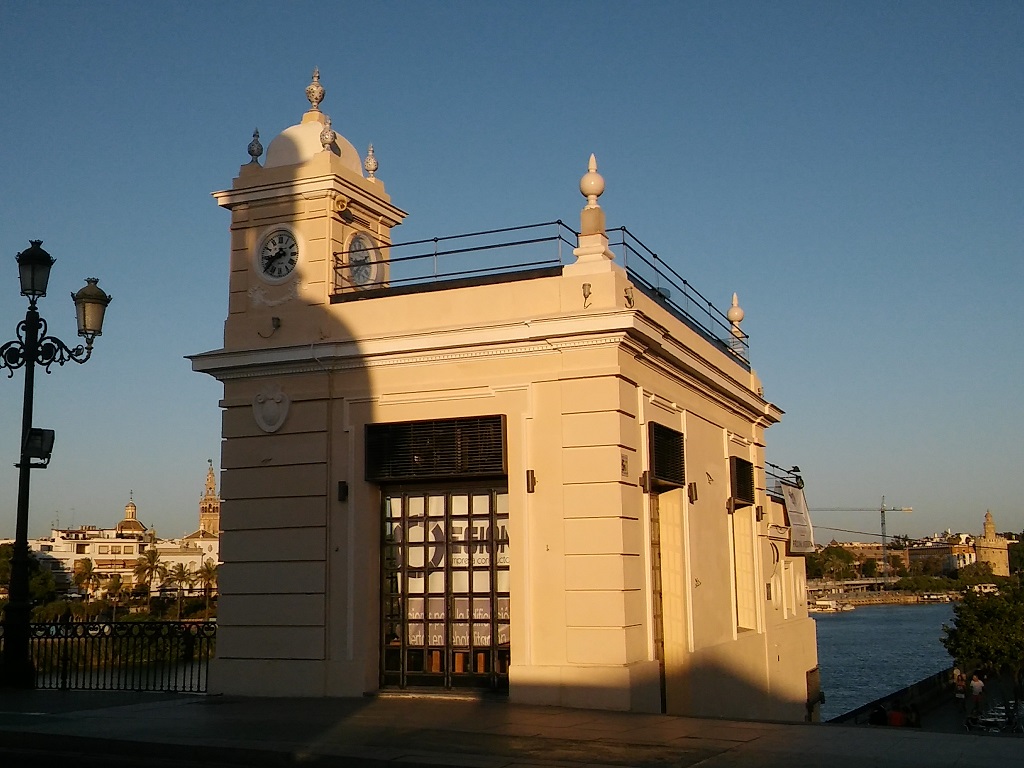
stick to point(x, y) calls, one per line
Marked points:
point(309, 222)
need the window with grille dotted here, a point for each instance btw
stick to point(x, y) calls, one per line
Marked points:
point(741, 473)
point(436, 449)
point(667, 457)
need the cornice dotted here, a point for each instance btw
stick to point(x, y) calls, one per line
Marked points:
point(632, 331)
point(225, 365)
point(310, 187)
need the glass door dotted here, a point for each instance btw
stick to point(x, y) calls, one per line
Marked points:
point(445, 589)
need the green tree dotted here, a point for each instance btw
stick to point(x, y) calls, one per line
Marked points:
point(207, 579)
point(114, 586)
point(1016, 554)
point(148, 569)
point(927, 566)
point(975, 573)
point(41, 585)
point(988, 631)
point(869, 568)
point(86, 576)
point(926, 584)
point(836, 563)
point(898, 566)
point(180, 578)
point(832, 562)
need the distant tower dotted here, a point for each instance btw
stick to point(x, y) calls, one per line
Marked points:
point(130, 525)
point(209, 505)
point(993, 549)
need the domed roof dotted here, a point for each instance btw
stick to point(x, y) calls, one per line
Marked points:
point(301, 142)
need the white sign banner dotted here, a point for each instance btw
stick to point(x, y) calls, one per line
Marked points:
point(801, 534)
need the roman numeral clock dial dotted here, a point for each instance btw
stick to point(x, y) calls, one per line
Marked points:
point(278, 256)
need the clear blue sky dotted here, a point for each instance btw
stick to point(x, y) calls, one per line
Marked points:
point(854, 171)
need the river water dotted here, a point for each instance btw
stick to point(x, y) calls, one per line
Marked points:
point(875, 650)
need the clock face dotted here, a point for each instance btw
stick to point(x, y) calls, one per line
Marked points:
point(362, 261)
point(278, 255)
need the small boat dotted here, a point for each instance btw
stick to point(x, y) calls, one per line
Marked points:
point(828, 606)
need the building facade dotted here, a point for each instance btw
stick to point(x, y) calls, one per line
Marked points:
point(545, 481)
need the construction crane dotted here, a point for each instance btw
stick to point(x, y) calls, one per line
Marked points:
point(882, 509)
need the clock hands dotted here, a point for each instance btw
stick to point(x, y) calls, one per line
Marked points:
point(276, 256)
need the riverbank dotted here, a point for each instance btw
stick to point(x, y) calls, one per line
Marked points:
point(885, 598)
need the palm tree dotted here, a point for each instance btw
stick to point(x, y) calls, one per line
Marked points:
point(147, 568)
point(86, 576)
point(179, 577)
point(207, 578)
point(115, 586)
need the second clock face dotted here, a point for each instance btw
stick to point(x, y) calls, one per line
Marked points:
point(278, 256)
point(363, 258)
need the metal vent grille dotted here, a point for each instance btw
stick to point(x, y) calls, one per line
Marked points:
point(667, 465)
point(436, 450)
point(741, 473)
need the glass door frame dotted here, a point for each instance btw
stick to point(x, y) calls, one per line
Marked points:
point(445, 578)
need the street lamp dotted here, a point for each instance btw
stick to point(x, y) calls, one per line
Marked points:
point(35, 347)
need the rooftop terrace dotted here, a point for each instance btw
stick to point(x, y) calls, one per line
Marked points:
point(528, 252)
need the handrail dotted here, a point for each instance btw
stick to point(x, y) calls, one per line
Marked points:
point(436, 259)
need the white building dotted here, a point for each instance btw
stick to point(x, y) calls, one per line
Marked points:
point(545, 479)
point(115, 551)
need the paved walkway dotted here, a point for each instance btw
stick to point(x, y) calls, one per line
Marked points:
point(161, 730)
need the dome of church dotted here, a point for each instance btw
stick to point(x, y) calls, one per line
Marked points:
point(130, 525)
point(301, 142)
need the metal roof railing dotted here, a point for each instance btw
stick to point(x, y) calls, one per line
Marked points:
point(666, 286)
point(455, 260)
point(456, 257)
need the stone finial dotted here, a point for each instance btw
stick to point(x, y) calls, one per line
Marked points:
point(370, 163)
point(735, 315)
point(592, 252)
point(592, 183)
point(255, 148)
point(315, 92)
point(327, 135)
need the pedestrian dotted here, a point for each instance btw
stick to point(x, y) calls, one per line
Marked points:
point(960, 682)
point(977, 689)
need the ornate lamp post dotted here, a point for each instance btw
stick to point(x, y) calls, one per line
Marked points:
point(34, 347)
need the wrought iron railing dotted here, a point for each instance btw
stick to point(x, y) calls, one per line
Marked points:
point(775, 475)
point(453, 258)
point(443, 262)
point(171, 656)
point(666, 286)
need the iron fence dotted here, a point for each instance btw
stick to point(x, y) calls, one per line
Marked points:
point(461, 257)
point(534, 250)
point(661, 282)
point(172, 656)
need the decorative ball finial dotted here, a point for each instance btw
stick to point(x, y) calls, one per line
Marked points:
point(327, 135)
point(735, 313)
point(737, 338)
point(370, 163)
point(315, 92)
point(255, 148)
point(592, 183)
